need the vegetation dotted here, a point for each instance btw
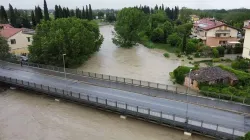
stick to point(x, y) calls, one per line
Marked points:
point(166, 55)
point(246, 137)
point(130, 21)
point(4, 49)
point(241, 64)
point(180, 73)
point(76, 38)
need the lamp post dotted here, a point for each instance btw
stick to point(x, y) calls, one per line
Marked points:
point(64, 66)
point(189, 80)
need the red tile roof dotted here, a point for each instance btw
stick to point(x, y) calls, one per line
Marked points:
point(6, 26)
point(208, 23)
point(9, 32)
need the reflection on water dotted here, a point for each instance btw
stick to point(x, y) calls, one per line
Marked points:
point(138, 62)
point(27, 116)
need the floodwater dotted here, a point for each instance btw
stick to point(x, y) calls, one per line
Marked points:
point(138, 62)
point(28, 116)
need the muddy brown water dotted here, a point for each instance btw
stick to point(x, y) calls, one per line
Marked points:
point(138, 62)
point(25, 115)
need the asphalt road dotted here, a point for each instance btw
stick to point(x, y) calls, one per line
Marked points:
point(214, 116)
point(208, 102)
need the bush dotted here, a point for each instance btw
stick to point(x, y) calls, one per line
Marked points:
point(174, 40)
point(215, 53)
point(238, 49)
point(166, 55)
point(241, 64)
point(221, 51)
point(180, 73)
point(191, 47)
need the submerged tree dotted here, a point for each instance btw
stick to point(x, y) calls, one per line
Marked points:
point(76, 38)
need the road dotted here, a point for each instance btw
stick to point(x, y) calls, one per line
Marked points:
point(214, 116)
point(207, 102)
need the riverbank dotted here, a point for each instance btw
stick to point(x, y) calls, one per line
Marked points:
point(44, 118)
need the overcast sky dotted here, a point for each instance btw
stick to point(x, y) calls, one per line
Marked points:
point(118, 4)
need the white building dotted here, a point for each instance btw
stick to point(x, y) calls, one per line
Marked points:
point(18, 38)
point(246, 23)
point(246, 47)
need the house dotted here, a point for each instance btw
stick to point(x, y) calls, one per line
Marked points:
point(246, 46)
point(246, 23)
point(214, 33)
point(194, 18)
point(18, 38)
point(210, 75)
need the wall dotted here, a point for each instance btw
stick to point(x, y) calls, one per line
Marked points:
point(192, 84)
point(215, 41)
point(233, 32)
point(246, 23)
point(22, 43)
point(246, 50)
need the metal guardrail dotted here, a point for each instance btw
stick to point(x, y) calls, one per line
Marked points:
point(140, 83)
point(189, 124)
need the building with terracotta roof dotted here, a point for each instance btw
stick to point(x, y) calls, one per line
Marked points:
point(18, 38)
point(214, 33)
point(246, 46)
point(210, 76)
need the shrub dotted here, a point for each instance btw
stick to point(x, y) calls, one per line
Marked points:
point(238, 49)
point(166, 55)
point(215, 53)
point(180, 72)
point(241, 64)
point(221, 51)
point(191, 47)
point(174, 40)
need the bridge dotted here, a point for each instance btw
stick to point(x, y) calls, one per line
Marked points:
point(219, 122)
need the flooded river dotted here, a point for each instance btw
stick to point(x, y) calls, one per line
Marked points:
point(138, 62)
point(28, 116)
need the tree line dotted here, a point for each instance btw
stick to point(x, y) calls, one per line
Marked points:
point(29, 19)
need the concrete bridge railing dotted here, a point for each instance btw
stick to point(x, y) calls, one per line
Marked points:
point(188, 124)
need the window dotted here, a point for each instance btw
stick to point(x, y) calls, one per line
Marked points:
point(13, 41)
point(28, 39)
point(205, 34)
point(217, 35)
point(224, 34)
point(225, 27)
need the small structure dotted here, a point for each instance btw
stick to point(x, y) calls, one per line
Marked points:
point(214, 33)
point(210, 75)
point(18, 38)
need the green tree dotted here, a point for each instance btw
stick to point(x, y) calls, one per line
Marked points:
point(33, 19)
point(215, 53)
point(180, 73)
point(45, 10)
point(60, 12)
point(191, 47)
point(76, 38)
point(157, 18)
point(3, 15)
point(83, 13)
point(38, 14)
point(174, 40)
point(110, 17)
point(4, 48)
point(130, 21)
point(87, 12)
point(184, 43)
point(12, 16)
point(158, 35)
point(90, 13)
point(56, 13)
point(72, 13)
point(100, 15)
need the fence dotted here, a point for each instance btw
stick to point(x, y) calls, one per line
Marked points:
point(189, 124)
point(140, 83)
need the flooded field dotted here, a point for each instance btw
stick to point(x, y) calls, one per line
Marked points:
point(25, 115)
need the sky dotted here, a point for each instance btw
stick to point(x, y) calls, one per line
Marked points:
point(118, 4)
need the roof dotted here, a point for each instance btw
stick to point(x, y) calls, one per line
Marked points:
point(6, 25)
point(9, 32)
point(208, 23)
point(211, 74)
